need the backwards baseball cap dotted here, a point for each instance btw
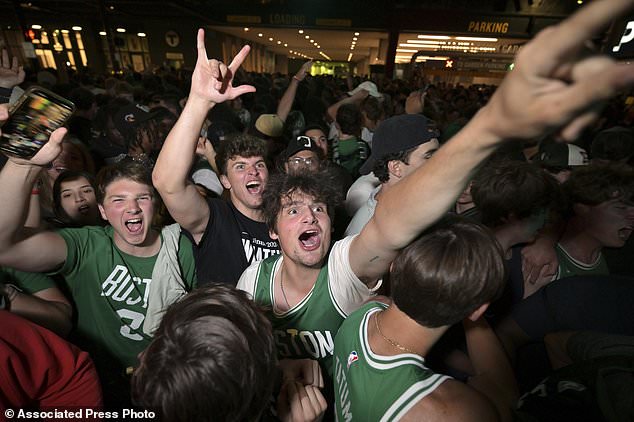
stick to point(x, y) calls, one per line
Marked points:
point(368, 86)
point(300, 143)
point(270, 125)
point(557, 154)
point(129, 117)
point(399, 133)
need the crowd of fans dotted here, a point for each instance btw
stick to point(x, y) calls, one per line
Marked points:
point(399, 257)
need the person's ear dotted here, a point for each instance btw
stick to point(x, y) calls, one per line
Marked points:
point(102, 211)
point(273, 235)
point(224, 180)
point(475, 315)
point(394, 167)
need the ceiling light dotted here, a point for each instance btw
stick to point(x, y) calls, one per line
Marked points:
point(356, 34)
point(36, 26)
point(477, 39)
point(270, 38)
point(312, 41)
point(405, 50)
point(285, 45)
point(301, 31)
point(260, 34)
point(306, 36)
point(76, 28)
point(425, 42)
point(246, 29)
point(141, 34)
point(102, 33)
point(65, 31)
point(354, 38)
point(349, 57)
point(419, 45)
point(435, 37)
point(120, 30)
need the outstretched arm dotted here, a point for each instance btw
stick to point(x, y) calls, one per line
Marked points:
point(555, 86)
point(21, 248)
point(286, 103)
point(211, 84)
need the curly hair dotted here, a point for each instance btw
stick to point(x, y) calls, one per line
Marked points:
point(321, 185)
point(239, 145)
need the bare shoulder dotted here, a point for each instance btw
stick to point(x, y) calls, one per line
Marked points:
point(453, 401)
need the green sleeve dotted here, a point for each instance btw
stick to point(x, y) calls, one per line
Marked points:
point(27, 282)
point(186, 260)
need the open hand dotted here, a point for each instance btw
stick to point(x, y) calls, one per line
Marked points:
point(10, 73)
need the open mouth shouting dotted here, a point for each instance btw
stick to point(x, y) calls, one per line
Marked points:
point(134, 225)
point(310, 240)
point(254, 187)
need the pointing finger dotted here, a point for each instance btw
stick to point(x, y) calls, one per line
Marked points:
point(200, 45)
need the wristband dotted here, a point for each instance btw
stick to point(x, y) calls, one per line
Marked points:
point(296, 78)
point(5, 95)
point(35, 191)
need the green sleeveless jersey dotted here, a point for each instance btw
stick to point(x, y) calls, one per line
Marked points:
point(568, 266)
point(371, 387)
point(308, 329)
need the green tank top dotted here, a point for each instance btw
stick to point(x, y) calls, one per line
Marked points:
point(371, 387)
point(308, 329)
point(568, 266)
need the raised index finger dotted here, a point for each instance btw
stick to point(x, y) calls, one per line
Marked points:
point(200, 45)
point(239, 58)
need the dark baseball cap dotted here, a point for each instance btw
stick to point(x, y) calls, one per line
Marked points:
point(300, 143)
point(399, 133)
point(128, 118)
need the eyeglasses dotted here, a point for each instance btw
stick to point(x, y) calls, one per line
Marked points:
point(298, 161)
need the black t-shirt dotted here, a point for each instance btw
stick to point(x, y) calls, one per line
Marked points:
point(231, 243)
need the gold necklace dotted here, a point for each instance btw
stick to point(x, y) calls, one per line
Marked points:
point(389, 340)
point(282, 287)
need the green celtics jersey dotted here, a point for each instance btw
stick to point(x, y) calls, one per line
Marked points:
point(371, 387)
point(110, 289)
point(308, 329)
point(27, 282)
point(568, 266)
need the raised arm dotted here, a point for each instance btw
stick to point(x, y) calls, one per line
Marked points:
point(554, 86)
point(21, 248)
point(286, 103)
point(211, 84)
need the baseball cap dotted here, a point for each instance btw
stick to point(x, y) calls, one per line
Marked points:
point(399, 133)
point(128, 118)
point(300, 143)
point(368, 86)
point(557, 154)
point(270, 125)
